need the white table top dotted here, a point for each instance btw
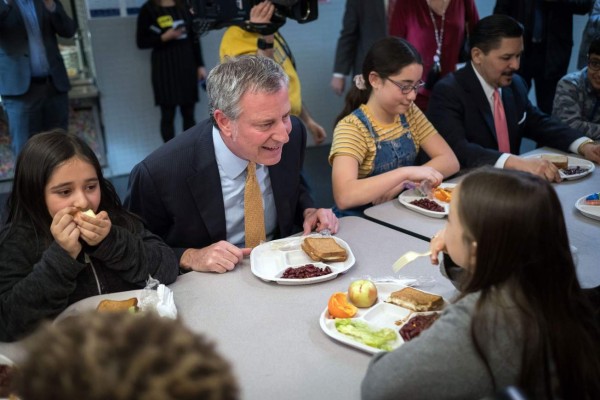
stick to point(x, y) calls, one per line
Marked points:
point(583, 231)
point(271, 332)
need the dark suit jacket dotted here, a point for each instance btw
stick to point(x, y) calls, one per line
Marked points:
point(177, 189)
point(557, 33)
point(363, 24)
point(461, 113)
point(15, 68)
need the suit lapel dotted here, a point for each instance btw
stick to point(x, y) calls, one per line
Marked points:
point(279, 181)
point(471, 83)
point(205, 186)
point(508, 100)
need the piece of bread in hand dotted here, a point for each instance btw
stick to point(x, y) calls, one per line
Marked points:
point(117, 305)
point(416, 300)
point(560, 161)
point(324, 249)
point(89, 213)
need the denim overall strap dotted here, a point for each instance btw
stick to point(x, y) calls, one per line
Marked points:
point(389, 155)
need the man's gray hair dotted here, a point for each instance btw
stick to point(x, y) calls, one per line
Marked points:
point(228, 82)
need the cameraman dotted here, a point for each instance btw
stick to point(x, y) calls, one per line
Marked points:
point(238, 41)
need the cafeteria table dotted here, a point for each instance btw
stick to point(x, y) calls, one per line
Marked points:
point(584, 232)
point(271, 333)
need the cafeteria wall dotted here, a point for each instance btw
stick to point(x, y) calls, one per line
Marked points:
point(130, 118)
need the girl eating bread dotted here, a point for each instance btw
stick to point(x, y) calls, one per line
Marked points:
point(52, 253)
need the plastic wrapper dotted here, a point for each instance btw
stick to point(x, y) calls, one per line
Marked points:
point(159, 298)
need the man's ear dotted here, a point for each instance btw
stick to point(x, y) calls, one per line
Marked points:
point(224, 123)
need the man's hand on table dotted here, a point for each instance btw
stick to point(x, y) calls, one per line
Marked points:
point(591, 151)
point(219, 257)
point(536, 166)
point(320, 219)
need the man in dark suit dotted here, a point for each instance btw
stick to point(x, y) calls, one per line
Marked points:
point(364, 23)
point(191, 190)
point(548, 39)
point(33, 79)
point(461, 106)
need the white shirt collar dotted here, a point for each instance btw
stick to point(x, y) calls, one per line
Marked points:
point(231, 164)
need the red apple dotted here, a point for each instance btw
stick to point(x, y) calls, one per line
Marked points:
point(362, 293)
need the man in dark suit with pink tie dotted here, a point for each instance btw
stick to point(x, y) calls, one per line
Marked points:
point(463, 107)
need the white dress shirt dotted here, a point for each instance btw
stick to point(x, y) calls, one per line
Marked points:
point(232, 171)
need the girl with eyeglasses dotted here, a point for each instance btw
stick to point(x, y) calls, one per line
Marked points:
point(381, 130)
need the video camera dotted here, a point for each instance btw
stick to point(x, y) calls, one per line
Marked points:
point(217, 14)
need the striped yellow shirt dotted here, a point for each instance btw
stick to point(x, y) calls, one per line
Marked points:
point(352, 138)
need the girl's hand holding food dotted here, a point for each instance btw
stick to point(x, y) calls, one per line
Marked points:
point(93, 229)
point(66, 232)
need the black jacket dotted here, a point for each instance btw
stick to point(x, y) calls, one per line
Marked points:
point(39, 282)
point(557, 32)
point(177, 189)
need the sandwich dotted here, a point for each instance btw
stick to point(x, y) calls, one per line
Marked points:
point(560, 161)
point(324, 249)
point(416, 300)
point(118, 305)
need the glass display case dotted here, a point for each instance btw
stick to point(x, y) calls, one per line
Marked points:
point(85, 116)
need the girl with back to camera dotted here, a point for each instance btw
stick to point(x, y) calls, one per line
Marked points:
point(380, 131)
point(51, 253)
point(521, 320)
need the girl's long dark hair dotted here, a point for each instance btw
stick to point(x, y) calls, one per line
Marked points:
point(522, 247)
point(36, 163)
point(386, 57)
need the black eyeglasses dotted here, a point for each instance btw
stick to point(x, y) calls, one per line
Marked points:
point(594, 65)
point(406, 89)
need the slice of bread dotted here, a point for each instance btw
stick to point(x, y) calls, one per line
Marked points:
point(416, 300)
point(560, 161)
point(324, 249)
point(117, 305)
point(90, 213)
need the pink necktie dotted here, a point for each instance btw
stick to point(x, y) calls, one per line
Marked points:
point(500, 124)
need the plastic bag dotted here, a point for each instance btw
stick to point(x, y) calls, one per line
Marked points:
point(159, 298)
